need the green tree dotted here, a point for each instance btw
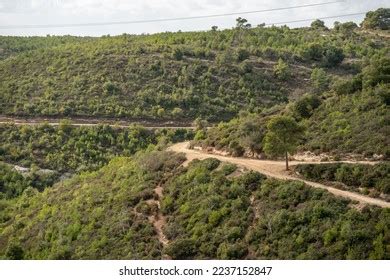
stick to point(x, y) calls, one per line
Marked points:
point(379, 19)
point(282, 70)
point(333, 56)
point(283, 137)
point(319, 80)
point(346, 28)
point(242, 23)
point(318, 24)
point(378, 71)
point(200, 124)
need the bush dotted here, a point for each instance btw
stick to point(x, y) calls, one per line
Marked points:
point(319, 80)
point(304, 107)
point(282, 70)
point(177, 54)
point(242, 54)
point(251, 180)
point(14, 252)
point(353, 175)
point(349, 86)
point(182, 249)
point(333, 56)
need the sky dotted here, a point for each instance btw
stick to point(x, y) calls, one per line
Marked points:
point(36, 12)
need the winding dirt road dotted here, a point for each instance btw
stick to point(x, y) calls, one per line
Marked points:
point(276, 169)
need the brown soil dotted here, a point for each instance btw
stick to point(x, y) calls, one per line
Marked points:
point(158, 220)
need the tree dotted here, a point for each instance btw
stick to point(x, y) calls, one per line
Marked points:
point(378, 71)
point(241, 26)
point(313, 51)
point(346, 28)
point(319, 80)
point(282, 70)
point(333, 56)
point(200, 124)
point(242, 23)
point(379, 19)
point(318, 24)
point(305, 106)
point(283, 137)
point(214, 28)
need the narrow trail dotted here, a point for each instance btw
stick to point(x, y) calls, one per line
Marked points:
point(158, 220)
point(276, 169)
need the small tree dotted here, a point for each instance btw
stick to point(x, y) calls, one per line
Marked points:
point(177, 54)
point(282, 70)
point(318, 24)
point(333, 56)
point(283, 137)
point(242, 23)
point(319, 80)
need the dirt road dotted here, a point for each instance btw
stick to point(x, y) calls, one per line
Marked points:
point(89, 122)
point(276, 169)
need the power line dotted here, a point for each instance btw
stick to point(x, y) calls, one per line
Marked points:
point(165, 19)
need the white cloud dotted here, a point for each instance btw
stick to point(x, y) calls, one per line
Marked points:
point(16, 12)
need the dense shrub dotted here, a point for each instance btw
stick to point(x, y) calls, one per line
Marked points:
point(170, 75)
point(354, 175)
point(74, 149)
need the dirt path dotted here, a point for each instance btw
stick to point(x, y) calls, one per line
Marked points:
point(158, 220)
point(79, 122)
point(276, 169)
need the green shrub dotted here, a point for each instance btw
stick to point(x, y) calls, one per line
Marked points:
point(182, 249)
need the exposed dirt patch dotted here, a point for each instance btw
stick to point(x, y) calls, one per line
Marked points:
point(158, 219)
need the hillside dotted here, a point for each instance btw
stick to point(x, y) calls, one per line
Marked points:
point(75, 183)
point(343, 117)
point(212, 210)
point(181, 75)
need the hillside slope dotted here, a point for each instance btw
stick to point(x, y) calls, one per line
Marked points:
point(179, 75)
point(211, 210)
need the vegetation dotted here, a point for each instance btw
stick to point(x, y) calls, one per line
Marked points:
point(211, 214)
point(379, 19)
point(265, 87)
point(368, 179)
point(283, 137)
point(342, 115)
point(174, 76)
point(91, 216)
point(12, 183)
point(241, 136)
point(74, 149)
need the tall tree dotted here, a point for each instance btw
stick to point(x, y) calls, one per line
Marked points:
point(379, 19)
point(283, 137)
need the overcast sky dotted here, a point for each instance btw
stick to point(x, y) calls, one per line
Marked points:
point(30, 12)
